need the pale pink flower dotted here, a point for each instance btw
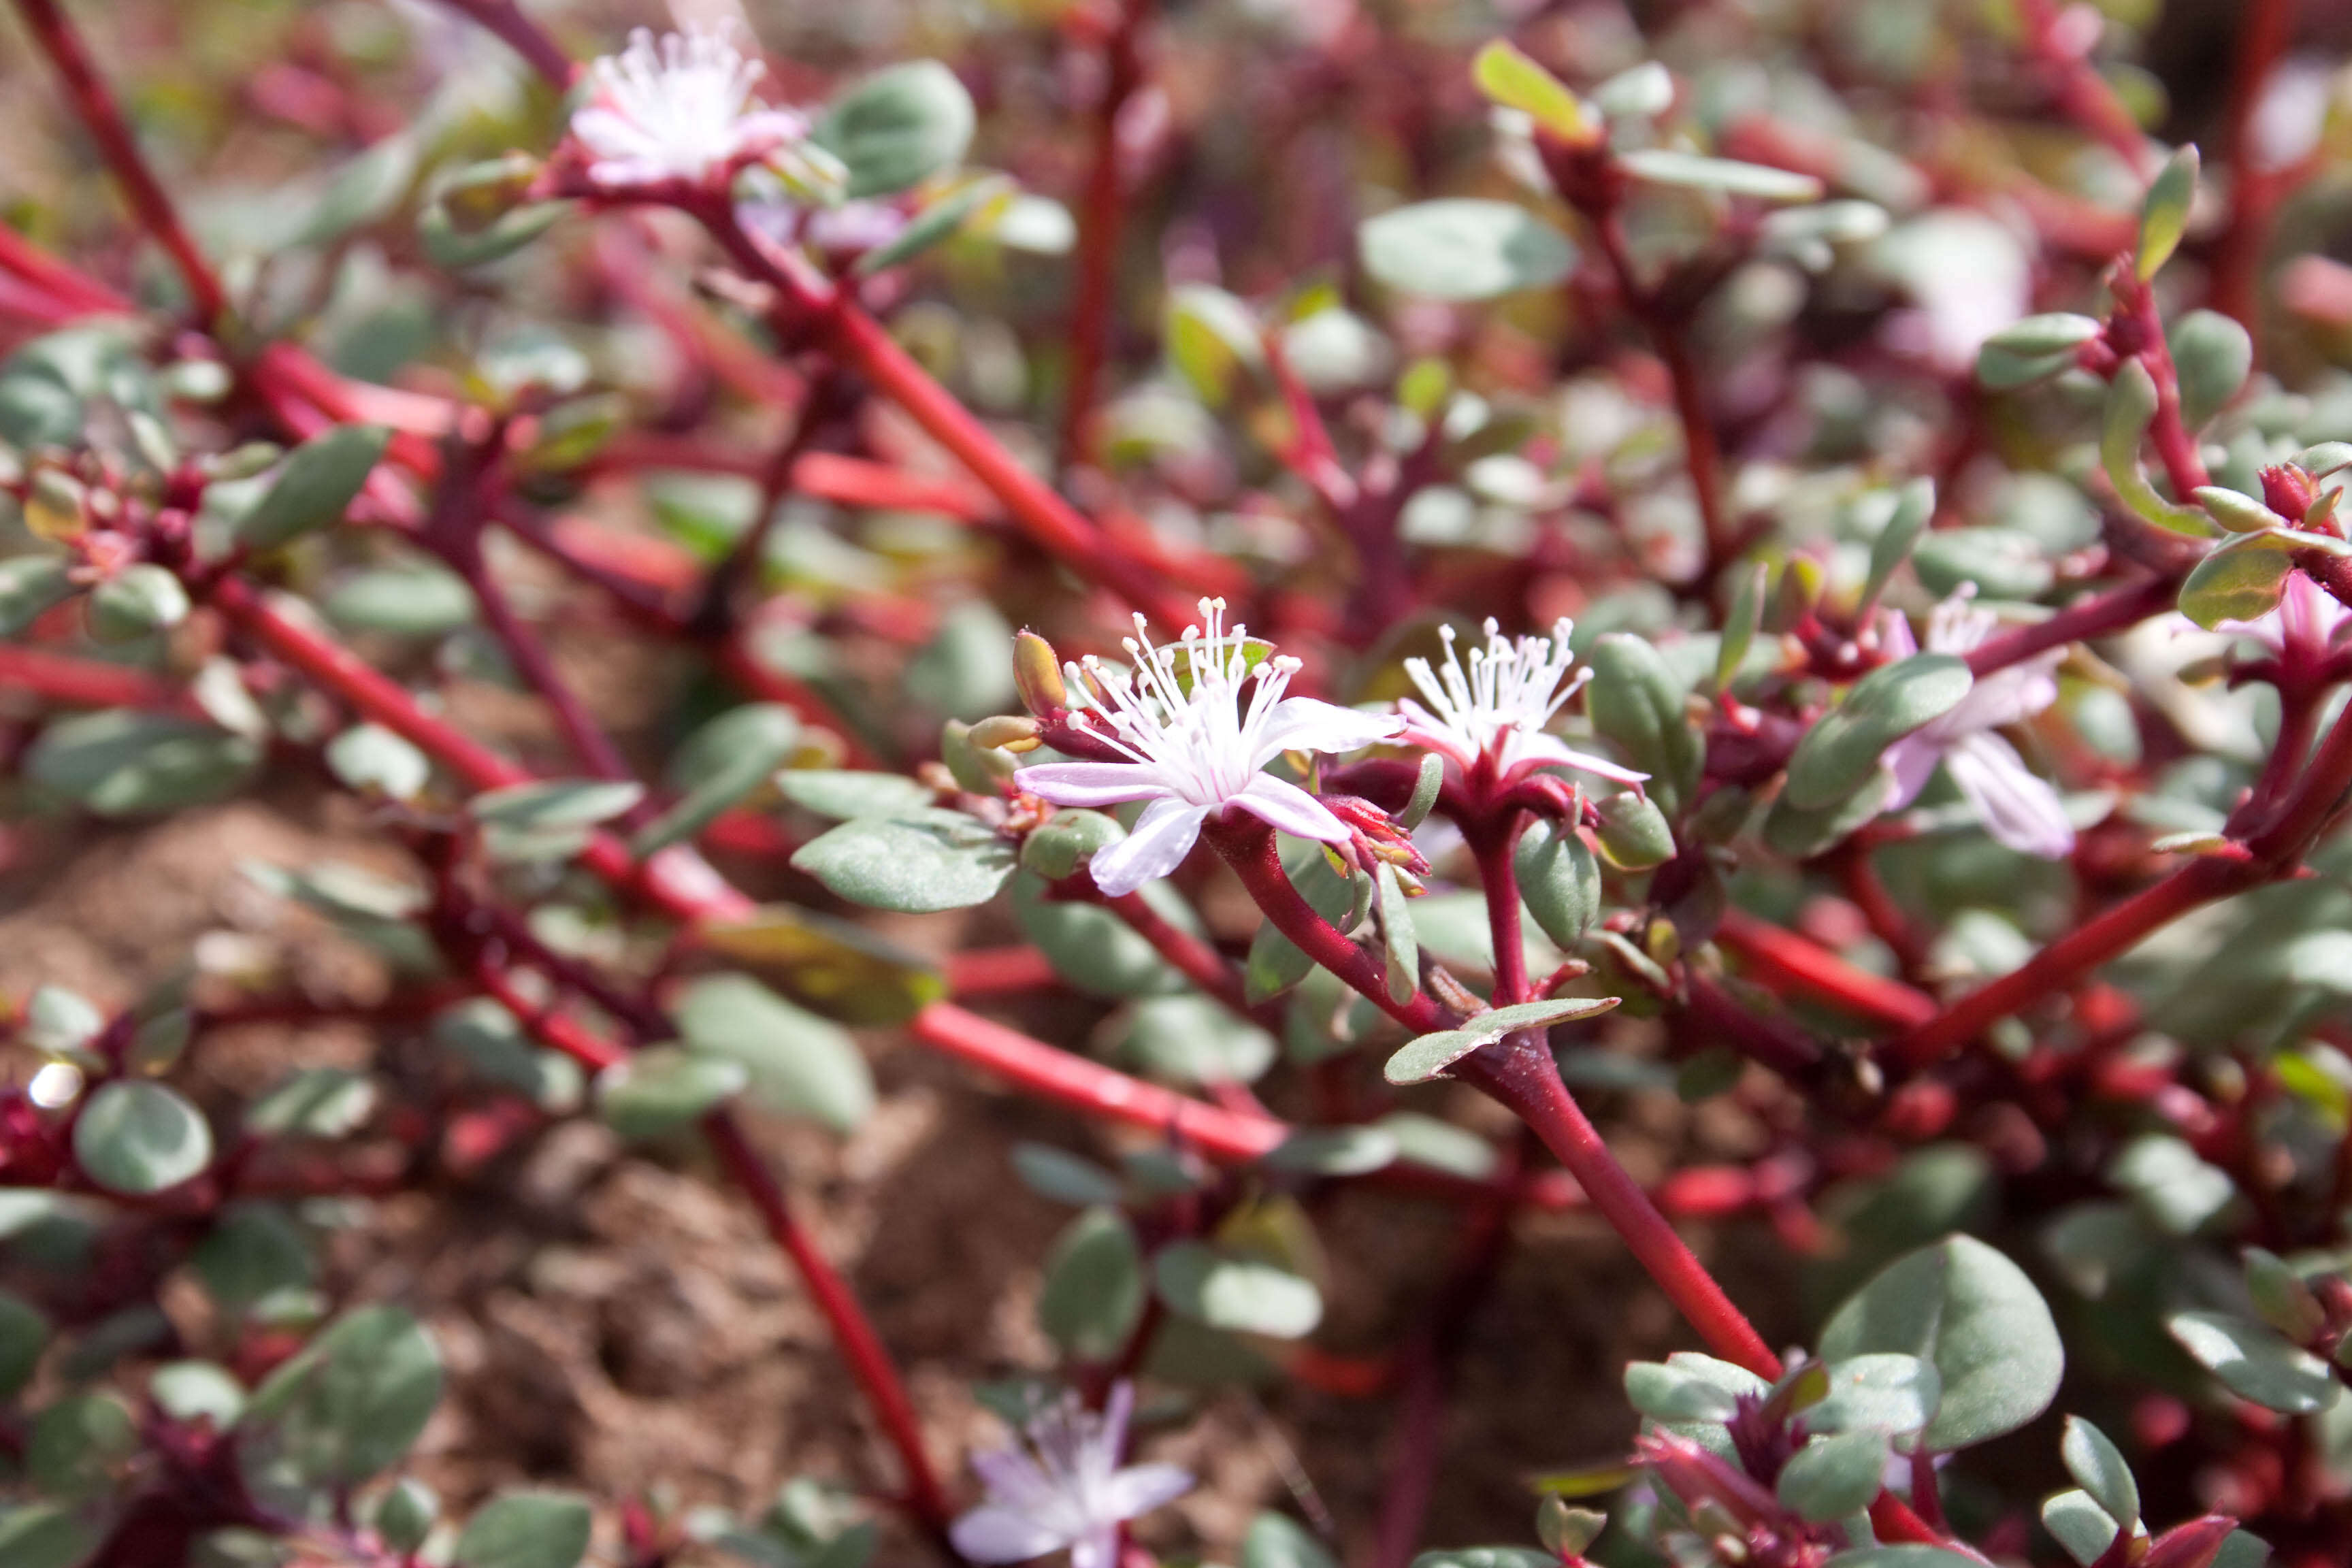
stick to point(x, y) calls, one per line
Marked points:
point(679, 110)
point(1200, 719)
point(1497, 707)
point(2016, 805)
point(1068, 1491)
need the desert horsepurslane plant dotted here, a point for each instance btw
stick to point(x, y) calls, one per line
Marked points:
point(1727, 622)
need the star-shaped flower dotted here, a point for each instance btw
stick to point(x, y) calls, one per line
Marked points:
point(2016, 805)
point(1069, 1492)
point(1200, 719)
point(681, 108)
point(1497, 708)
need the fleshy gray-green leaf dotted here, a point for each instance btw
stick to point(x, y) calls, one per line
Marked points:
point(139, 1137)
point(1838, 753)
point(1463, 248)
point(2099, 1468)
point(1239, 1295)
point(898, 127)
point(1277, 1541)
point(352, 1400)
point(2256, 1362)
point(1428, 1056)
point(1969, 1311)
point(660, 1091)
point(845, 795)
point(917, 864)
point(525, 1530)
point(316, 486)
point(1831, 1478)
point(1094, 1289)
point(798, 1063)
point(2242, 579)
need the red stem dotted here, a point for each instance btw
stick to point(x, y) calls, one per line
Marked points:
point(1248, 846)
point(1195, 960)
point(853, 1332)
point(1790, 960)
point(1521, 1074)
point(1493, 843)
point(82, 682)
point(2111, 610)
point(504, 20)
point(2254, 193)
point(1100, 214)
point(2269, 854)
point(1701, 454)
point(95, 104)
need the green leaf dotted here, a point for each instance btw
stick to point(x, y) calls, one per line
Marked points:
point(1559, 881)
point(2165, 213)
point(367, 187)
point(716, 767)
point(1634, 833)
point(1463, 248)
point(553, 804)
point(1094, 1292)
point(2000, 370)
point(2214, 356)
point(417, 599)
point(1065, 1177)
point(2058, 332)
point(2242, 579)
point(898, 127)
point(1726, 176)
point(917, 864)
point(1335, 1151)
point(1839, 754)
point(405, 1514)
point(965, 672)
point(936, 221)
point(138, 1137)
point(2099, 1468)
point(1427, 1057)
point(351, 1402)
point(61, 1022)
point(187, 1390)
point(1974, 1314)
point(45, 1535)
point(315, 488)
point(1688, 1386)
point(314, 1103)
point(797, 1062)
point(2281, 1296)
point(1509, 78)
point(2131, 409)
point(254, 1251)
point(830, 966)
point(525, 1530)
point(24, 1334)
point(1802, 834)
point(1636, 701)
point(1189, 1039)
point(1832, 1477)
point(2079, 1525)
point(31, 585)
point(1239, 1295)
point(1915, 508)
point(122, 763)
point(2235, 512)
point(1275, 964)
point(2256, 1362)
point(139, 601)
point(1891, 1395)
point(1069, 838)
point(1399, 948)
point(1212, 338)
point(844, 796)
point(1907, 1556)
point(1092, 949)
point(1486, 1557)
point(78, 1442)
point(369, 758)
point(659, 1090)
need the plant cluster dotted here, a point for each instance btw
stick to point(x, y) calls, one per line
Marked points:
point(1730, 554)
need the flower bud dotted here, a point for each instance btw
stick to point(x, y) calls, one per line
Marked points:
point(2288, 491)
point(1011, 731)
point(1037, 673)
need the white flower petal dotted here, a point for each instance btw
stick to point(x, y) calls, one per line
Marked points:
point(1098, 1549)
point(1550, 751)
point(1093, 783)
point(1912, 760)
point(1291, 809)
point(1310, 724)
point(1139, 1489)
point(2017, 806)
point(1164, 835)
point(993, 1534)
